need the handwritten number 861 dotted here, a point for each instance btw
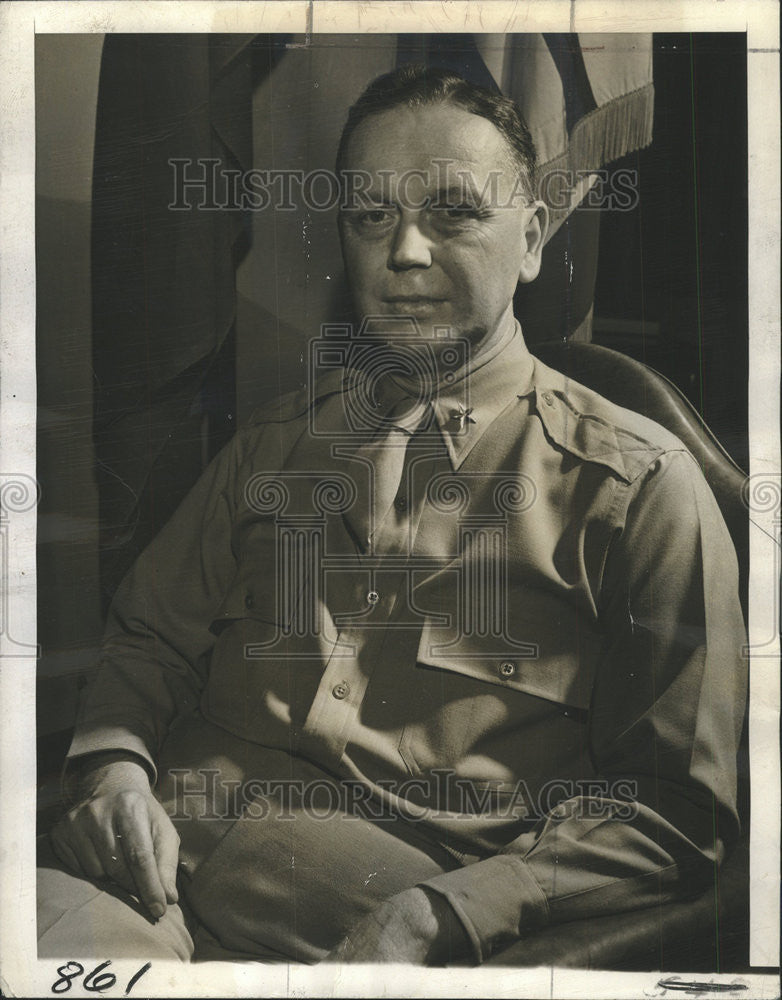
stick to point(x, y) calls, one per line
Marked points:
point(96, 981)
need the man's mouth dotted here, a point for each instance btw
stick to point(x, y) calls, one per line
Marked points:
point(419, 306)
point(413, 297)
point(412, 303)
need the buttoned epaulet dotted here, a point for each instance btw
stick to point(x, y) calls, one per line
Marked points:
point(297, 403)
point(597, 430)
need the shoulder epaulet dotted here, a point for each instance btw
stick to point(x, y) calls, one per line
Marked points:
point(595, 429)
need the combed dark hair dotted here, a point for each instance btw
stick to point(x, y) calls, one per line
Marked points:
point(415, 86)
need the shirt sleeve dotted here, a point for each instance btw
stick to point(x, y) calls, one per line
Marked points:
point(157, 639)
point(665, 722)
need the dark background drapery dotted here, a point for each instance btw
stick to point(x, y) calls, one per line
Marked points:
point(163, 281)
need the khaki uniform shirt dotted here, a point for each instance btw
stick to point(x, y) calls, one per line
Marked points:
point(536, 662)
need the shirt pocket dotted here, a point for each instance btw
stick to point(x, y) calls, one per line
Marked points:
point(263, 588)
point(493, 711)
point(266, 662)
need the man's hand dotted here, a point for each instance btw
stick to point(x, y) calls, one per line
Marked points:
point(119, 831)
point(415, 926)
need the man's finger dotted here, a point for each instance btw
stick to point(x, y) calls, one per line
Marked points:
point(119, 873)
point(64, 853)
point(166, 843)
point(136, 839)
point(86, 855)
point(109, 849)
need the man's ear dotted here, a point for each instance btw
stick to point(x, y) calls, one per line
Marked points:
point(535, 231)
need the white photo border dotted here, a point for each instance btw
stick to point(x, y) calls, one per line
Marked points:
point(21, 974)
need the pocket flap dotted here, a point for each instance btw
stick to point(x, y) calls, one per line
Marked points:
point(548, 666)
point(256, 592)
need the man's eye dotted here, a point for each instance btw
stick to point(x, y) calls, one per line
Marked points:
point(456, 212)
point(374, 217)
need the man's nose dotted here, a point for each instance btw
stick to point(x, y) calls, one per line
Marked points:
point(410, 247)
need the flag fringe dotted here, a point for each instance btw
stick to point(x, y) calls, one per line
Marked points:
point(607, 133)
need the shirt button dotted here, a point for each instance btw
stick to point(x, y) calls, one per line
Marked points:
point(507, 669)
point(248, 600)
point(373, 597)
point(401, 503)
point(341, 690)
point(548, 398)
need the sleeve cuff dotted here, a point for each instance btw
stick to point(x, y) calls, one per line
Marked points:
point(497, 901)
point(106, 738)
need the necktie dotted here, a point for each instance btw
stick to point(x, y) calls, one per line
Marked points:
point(383, 460)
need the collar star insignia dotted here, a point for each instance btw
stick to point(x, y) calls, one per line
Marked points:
point(463, 416)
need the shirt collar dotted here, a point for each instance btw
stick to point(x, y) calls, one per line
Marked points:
point(462, 410)
point(465, 411)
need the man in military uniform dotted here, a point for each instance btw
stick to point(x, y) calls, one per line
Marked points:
point(438, 653)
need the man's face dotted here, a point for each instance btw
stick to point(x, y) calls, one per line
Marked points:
point(443, 232)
